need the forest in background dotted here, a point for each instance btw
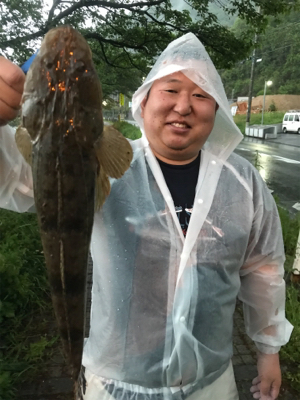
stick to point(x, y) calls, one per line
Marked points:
point(278, 49)
point(126, 36)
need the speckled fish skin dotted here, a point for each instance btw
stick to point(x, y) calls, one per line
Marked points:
point(62, 113)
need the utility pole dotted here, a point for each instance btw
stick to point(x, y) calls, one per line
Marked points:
point(251, 83)
point(251, 79)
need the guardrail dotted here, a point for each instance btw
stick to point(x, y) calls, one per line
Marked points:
point(263, 131)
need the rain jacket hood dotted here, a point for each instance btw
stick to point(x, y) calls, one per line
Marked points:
point(188, 55)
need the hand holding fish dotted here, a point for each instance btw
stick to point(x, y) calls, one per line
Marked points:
point(12, 81)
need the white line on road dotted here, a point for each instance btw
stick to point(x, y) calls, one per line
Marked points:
point(287, 160)
point(296, 206)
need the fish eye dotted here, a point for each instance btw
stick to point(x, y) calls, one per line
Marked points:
point(80, 68)
point(49, 65)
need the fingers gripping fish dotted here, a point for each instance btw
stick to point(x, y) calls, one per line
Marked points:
point(62, 137)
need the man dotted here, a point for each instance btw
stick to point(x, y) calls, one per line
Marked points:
point(188, 228)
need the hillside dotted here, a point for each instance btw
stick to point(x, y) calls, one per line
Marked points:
point(278, 50)
point(282, 102)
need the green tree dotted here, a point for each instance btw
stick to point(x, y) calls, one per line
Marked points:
point(129, 34)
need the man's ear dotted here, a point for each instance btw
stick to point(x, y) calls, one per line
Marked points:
point(143, 103)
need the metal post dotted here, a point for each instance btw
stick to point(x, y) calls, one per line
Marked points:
point(264, 103)
point(296, 266)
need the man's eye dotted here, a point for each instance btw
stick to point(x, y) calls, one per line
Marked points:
point(171, 91)
point(199, 95)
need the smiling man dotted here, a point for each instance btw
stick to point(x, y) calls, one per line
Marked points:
point(190, 227)
point(178, 118)
point(199, 228)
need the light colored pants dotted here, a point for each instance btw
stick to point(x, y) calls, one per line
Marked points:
point(224, 388)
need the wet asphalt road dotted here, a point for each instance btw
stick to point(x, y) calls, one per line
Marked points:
point(279, 165)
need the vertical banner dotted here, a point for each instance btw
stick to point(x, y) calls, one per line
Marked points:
point(121, 99)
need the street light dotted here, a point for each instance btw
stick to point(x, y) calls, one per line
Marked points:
point(267, 83)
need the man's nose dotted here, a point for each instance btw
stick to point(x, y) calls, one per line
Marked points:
point(183, 104)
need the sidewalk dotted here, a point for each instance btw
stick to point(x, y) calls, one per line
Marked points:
point(287, 139)
point(58, 386)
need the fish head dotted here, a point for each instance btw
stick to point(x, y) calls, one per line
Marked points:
point(62, 86)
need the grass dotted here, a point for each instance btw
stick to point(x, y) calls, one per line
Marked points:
point(290, 353)
point(270, 118)
point(25, 343)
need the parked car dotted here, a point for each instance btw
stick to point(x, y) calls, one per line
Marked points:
point(291, 121)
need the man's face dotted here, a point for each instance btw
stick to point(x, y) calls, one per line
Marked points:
point(178, 118)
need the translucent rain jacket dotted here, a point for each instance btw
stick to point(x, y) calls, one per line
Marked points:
point(162, 305)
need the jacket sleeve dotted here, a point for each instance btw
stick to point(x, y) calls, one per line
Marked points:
point(262, 285)
point(16, 187)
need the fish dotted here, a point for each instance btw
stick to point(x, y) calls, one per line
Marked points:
point(72, 154)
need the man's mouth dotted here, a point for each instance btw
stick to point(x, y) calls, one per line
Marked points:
point(179, 125)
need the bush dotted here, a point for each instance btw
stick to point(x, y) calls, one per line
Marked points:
point(272, 107)
point(128, 130)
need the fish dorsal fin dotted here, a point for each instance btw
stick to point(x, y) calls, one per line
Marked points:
point(23, 141)
point(102, 188)
point(114, 152)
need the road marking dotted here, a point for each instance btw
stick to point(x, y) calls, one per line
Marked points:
point(287, 160)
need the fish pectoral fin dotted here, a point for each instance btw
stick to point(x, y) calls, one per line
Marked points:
point(23, 141)
point(102, 188)
point(114, 152)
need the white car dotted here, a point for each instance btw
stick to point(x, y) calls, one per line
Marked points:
point(291, 121)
